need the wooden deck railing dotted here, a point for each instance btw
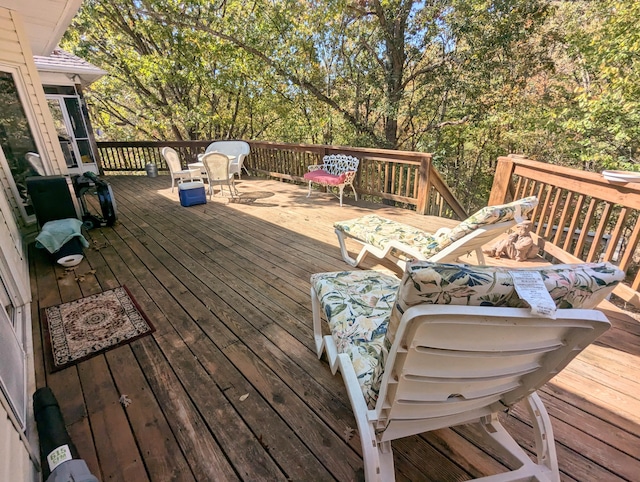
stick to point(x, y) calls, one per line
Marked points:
point(404, 178)
point(580, 215)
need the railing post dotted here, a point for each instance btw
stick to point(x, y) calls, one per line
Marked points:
point(424, 181)
point(501, 181)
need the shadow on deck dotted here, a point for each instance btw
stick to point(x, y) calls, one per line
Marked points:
point(229, 387)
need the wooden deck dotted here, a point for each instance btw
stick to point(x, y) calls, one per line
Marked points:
point(229, 387)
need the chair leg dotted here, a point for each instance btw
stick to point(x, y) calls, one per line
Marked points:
point(309, 189)
point(345, 253)
point(385, 460)
point(341, 187)
point(545, 468)
point(317, 322)
point(545, 442)
point(377, 456)
point(232, 189)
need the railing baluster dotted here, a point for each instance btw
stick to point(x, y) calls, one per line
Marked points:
point(629, 251)
point(553, 211)
point(584, 231)
point(616, 234)
point(599, 233)
point(563, 219)
point(574, 223)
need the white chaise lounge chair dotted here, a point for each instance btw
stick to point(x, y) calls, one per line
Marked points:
point(384, 238)
point(414, 359)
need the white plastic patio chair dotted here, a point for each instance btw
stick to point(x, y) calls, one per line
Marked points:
point(336, 170)
point(175, 168)
point(238, 149)
point(35, 161)
point(411, 366)
point(217, 166)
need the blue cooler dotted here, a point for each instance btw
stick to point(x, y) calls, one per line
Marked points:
point(191, 193)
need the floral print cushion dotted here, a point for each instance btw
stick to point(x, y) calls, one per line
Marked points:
point(378, 232)
point(570, 286)
point(489, 215)
point(358, 305)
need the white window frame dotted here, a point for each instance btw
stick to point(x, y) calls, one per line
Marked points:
point(21, 89)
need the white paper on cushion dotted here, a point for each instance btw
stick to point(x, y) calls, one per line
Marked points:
point(517, 216)
point(530, 287)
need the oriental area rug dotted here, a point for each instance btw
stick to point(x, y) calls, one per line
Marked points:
point(83, 328)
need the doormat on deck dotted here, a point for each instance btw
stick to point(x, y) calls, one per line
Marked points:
point(86, 327)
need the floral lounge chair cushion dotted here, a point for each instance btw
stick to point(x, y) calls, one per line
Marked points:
point(582, 285)
point(378, 232)
point(364, 308)
point(489, 215)
point(358, 306)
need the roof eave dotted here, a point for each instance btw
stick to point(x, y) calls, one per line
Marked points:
point(65, 19)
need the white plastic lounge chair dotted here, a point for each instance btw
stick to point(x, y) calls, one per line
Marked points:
point(384, 238)
point(218, 173)
point(175, 168)
point(411, 365)
point(336, 170)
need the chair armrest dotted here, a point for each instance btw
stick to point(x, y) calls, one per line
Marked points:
point(315, 167)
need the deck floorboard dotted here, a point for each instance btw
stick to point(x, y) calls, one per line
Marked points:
point(228, 387)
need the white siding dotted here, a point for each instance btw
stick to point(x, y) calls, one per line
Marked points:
point(14, 267)
point(16, 464)
point(16, 57)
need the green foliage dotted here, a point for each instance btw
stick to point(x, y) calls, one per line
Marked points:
point(468, 80)
point(602, 115)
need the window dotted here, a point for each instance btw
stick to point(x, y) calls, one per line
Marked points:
point(69, 118)
point(12, 368)
point(16, 138)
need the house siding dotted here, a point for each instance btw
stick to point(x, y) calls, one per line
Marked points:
point(15, 53)
point(16, 464)
point(11, 219)
point(16, 57)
